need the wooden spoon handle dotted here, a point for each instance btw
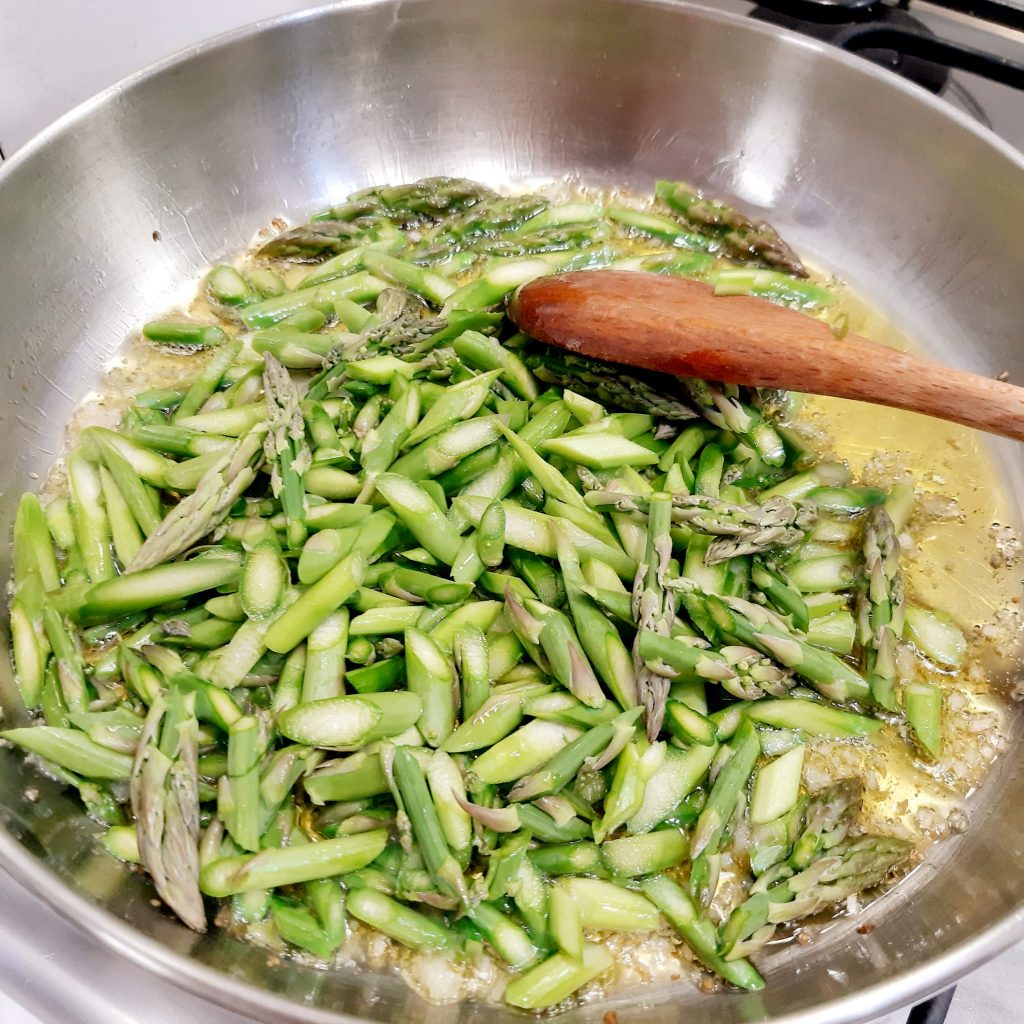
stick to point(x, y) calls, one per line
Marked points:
point(681, 327)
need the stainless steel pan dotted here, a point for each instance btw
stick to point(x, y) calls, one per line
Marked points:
point(914, 205)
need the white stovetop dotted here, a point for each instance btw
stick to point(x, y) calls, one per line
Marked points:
point(53, 55)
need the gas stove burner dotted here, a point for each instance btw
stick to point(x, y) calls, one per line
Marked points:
point(892, 37)
point(867, 27)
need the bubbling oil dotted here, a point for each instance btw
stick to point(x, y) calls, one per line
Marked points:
point(960, 556)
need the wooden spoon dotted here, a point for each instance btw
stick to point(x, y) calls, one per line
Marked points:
point(681, 327)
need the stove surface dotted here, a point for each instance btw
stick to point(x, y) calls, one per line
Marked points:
point(52, 973)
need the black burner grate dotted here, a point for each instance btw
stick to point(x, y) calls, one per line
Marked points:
point(890, 35)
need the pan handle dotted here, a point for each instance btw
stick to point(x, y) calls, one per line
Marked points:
point(934, 1010)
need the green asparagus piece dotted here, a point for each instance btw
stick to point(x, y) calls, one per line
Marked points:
point(121, 841)
point(828, 819)
point(771, 285)
point(88, 513)
point(563, 652)
point(600, 639)
point(408, 926)
point(264, 578)
point(634, 769)
point(429, 675)
point(726, 791)
point(165, 802)
point(496, 718)
point(754, 626)
point(325, 658)
point(286, 445)
point(743, 672)
point(654, 608)
point(124, 530)
point(73, 750)
point(557, 978)
point(610, 385)
point(922, 703)
point(193, 335)
point(350, 721)
point(732, 229)
point(935, 636)
point(293, 864)
point(426, 827)
point(698, 932)
point(209, 504)
point(738, 529)
point(375, 678)
point(207, 380)
point(678, 775)
point(849, 867)
point(28, 639)
point(722, 406)
point(470, 652)
point(418, 511)
point(561, 769)
point(350, 778)
point(650, 854)
point(776, 788)
point(33, 550)
point(524, 751)
point(159, 585)
point(316, 604)
point(811, 717)
point(566, 926)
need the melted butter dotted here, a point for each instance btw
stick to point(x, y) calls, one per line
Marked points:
point(951, 565)
point(948, 463)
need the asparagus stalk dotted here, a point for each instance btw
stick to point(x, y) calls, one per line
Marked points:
point(737, 233)
point(184, 333)
point(880, 607)
point(849, 867)
point(610, 385)
point(922, 703)
point(754, 626)
point(653, 608)
point(72, 750)
point(410, 927)
point(33, 550)
point(698, 932)
point(285, 447)
point(88, 513)
point(165, 802)
point(709, 832)
point(28, 639)
point(430, 676)
point(290, 865)
point(206, 507)
point(722, 407)
point(737, 529)
point(350, 721)
point(557, 978)
point(426, 827)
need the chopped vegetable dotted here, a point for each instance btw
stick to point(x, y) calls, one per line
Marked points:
point(480, 643)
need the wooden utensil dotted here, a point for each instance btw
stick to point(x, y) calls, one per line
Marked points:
point(681, 327)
